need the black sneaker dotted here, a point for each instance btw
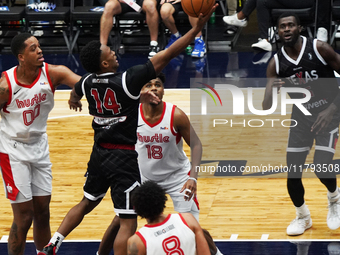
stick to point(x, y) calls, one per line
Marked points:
point(48, 250)
point(153, 51)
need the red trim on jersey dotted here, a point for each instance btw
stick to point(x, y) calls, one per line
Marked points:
point(196, 202)
point(184, 221)
point(112, 146)
point(10, 92)
point(142, 238)
point(158, 224)
point(49, 78)
point(173, 131)
point(23, 85)
point(156, 123)
point(8, 177)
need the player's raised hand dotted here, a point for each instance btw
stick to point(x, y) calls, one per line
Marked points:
point(204, 19)
point(147, 96)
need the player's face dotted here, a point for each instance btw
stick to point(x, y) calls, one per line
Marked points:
point(108, 58)
point(289, 31)
point(32, 54)
point(155, 86)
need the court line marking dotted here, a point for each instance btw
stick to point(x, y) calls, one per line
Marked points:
point(264, 237)
point(4, 239)
point(233, 237)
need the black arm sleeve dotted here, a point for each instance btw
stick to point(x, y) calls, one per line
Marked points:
point(138, 76)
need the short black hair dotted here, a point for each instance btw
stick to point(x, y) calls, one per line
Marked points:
point(18, 44)
point(161, 76)
point(90, 56)
point(288, 14)
point(149, 200)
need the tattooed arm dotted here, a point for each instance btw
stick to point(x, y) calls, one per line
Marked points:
point(135, 246)
point(4, 91)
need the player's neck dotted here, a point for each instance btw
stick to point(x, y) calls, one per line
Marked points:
point(159, 219)
point(152, 111)
point(27, 75)
point(295, 50)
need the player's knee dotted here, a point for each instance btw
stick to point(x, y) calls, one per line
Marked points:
point(112, 7)
point(165, 12)
point(150, 6)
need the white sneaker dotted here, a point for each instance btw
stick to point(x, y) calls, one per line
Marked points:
point(333, 248)
point(322, 34)
point(333, 217)
point(262, 44)
point(299, 225)
point(233, 20)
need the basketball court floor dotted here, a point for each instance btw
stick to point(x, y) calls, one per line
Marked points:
point(246, 215)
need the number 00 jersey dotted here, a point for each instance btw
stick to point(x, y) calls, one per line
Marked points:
point(172, 236)
point(160, 147)
point(24, 117)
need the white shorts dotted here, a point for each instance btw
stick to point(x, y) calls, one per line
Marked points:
point(173, 188)
point(25, 169)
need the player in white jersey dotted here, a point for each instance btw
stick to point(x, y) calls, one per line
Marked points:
point(164, 234)
point(26, 98)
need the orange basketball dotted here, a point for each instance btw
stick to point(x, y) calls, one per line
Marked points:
point(194, 7)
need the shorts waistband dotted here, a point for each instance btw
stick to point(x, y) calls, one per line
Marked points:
point(118, 146)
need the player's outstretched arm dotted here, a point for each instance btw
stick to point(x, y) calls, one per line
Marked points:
point(135, 246)
point(74, 101)
point(202, 247)
point(62, 75)
point(162, 58)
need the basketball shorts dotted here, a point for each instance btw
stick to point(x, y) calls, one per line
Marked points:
point(116, 169)
point(301, 139)
point(25, 169)
point(172, 186)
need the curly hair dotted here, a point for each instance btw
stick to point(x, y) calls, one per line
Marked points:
point(18, 44)
point(90, 56)
point(288, 14)
point(149, 200)
point(161, 76)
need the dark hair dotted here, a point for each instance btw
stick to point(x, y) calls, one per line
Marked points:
point(18, 44)
point(149, 200)
point(161, 76)
point(288, 14)
point(90, 56)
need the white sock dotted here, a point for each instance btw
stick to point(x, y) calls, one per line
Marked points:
point(153, 43)
point(198, 37)
point(177, 34)
point(333, 194)
point(218, 252)
point(57, 239)
point(302, 210)
point(97, 253)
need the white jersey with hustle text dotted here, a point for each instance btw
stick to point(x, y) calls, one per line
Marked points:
point(172, 236)
point(24, 117)
point(160, 147)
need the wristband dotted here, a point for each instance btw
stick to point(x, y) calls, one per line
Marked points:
point(192, 178)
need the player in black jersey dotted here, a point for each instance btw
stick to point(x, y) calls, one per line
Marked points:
point(302, 63)
point(113, 101)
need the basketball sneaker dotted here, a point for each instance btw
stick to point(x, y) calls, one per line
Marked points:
point(234, 21)
point(172, 39)
point(153, 51)
point(48, 250)
point(199, 48)
point(333, 216)
point(262, 44)
point(299, 225)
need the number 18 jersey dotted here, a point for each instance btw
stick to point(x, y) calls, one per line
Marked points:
point(160, 147)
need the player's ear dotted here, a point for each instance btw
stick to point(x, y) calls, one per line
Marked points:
point(105, 64)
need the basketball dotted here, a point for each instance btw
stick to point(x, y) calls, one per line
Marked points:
point(194, 7)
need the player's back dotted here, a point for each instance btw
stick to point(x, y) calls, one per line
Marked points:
point(172, 236)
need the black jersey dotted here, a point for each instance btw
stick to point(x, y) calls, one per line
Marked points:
point(308, 71)
point(113, 100)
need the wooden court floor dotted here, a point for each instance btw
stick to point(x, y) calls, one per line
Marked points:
point(231, 208)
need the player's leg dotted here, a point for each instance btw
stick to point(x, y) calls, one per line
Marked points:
point(152, 20)
point(41, 222)
point(127, 228)
point(168, 13)
point(112, 7)
point(326, 171)
point(199, 48)
point(108, 239)
point(299, 143)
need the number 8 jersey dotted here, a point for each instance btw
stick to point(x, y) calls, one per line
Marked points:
point(24, 117)
point(172, 236)
point(160, 147)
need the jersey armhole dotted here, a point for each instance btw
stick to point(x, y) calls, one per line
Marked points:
point(184, 221)
point(9, 87)
point(142, 238)
point(276, 64)
point(317, 53)
point(49, 78)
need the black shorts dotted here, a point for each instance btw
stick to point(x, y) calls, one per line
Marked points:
point(301, 139)
point(115, 168)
